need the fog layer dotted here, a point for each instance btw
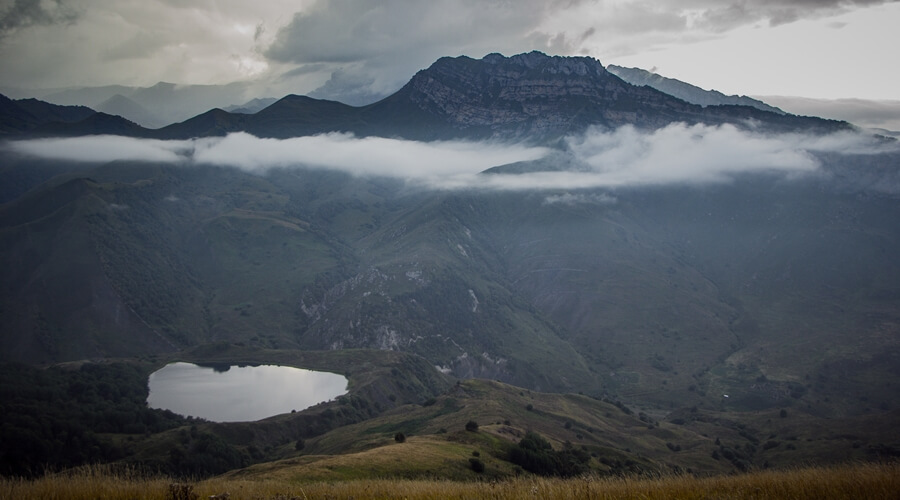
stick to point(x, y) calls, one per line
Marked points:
point(675, 154)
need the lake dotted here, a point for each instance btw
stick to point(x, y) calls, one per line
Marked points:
point(240, 393)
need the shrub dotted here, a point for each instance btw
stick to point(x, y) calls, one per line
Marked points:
point(400, 437)
point(472, 426)
point(476, 464)
point(299, 445)
point(535, 454)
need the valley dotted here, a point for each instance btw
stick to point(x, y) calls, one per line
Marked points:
point(668, 288)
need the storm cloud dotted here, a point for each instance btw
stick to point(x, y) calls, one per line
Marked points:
point(373, 48)
point(626, 157)
point(25, 13)
point(350, 50)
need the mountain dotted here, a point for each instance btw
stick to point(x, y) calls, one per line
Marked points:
point(126, 108)
point(251, 106)
point(761, 307)
point(532, 96)
point(528, 96)
point(87, 96)
point(880, 115)
point(686, 91)
point(26, 115)
point(291, 116)
point(166, 103)
point(174, 103)
point(94, 124)
point(775, 292)
point(667, 292)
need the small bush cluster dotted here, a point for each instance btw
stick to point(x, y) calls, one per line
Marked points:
point(536, 455)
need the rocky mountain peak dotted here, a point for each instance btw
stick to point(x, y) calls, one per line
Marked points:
point(533, 94)
point(549, 64)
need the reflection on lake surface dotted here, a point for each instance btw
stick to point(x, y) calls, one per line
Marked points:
point(240, 393)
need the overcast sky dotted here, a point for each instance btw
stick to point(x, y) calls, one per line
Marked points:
point(358, 50)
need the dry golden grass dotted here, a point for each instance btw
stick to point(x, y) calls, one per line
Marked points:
point(869, 481)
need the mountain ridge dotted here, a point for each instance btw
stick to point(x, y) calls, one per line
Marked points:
point(686, 91)
point(533, 96)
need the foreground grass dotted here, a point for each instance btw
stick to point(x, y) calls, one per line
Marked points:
point(870, 481)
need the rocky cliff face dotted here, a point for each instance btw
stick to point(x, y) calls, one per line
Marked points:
point(539, 96)
point(536, 94)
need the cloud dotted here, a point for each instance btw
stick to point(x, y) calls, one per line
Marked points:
point(372, 48)
point(354, 87)
point(569, 199)
point(861, 112)
point(682, 154)
point(626, 157)
point(370, 156)
point(25, 13)
point(722, 16)
point(130, 42)
point(351, 50)
point(103, 149)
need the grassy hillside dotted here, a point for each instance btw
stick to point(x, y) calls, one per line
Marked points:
point(873, 481)
point(401, 419)
point(617, 439)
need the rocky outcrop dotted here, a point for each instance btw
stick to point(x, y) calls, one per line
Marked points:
point(539, 96)
point(534, 93)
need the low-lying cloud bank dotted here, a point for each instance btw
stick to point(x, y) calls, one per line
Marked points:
point(676, 154)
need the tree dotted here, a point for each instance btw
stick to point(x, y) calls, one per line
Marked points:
point(400, 437)
point(472, 426)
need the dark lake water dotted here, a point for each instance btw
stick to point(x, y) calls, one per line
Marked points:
point(240, 393)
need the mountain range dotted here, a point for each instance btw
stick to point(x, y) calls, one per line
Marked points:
point(755, 291)
point(529, 96)
point(686, 91)
point(152, 107)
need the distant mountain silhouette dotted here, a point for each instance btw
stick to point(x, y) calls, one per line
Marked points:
point(95, 124)
point(686, 91)
point(26, 115)
point(167, 102)
point(251, 106)
point(130, 110)
point(528, 96)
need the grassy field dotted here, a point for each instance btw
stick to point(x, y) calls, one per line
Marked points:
point(870, 481)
